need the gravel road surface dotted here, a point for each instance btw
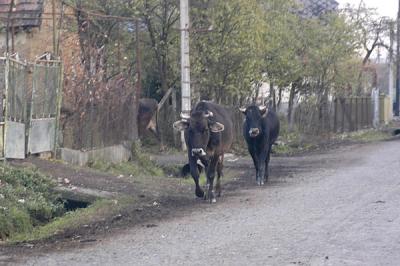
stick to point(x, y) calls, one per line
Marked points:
point(345, 210)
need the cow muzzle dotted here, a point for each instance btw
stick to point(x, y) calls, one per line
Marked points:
point(254, 132)
point(198, 152)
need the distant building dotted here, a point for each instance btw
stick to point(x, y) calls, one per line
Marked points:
point(24, 14)
point(29, 28)
point(316, 8)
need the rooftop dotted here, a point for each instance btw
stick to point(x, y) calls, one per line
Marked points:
point(25, 13)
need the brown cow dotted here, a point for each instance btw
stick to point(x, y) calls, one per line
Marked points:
point(146, 118)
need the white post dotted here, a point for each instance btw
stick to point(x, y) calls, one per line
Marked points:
point(375, 104)
point(185, 60)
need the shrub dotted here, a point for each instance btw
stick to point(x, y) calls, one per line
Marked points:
point(27, 199)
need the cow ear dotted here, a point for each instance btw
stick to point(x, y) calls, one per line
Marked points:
point(263, 110)
point(217, 127)
point(181, 125)
point(242, 109)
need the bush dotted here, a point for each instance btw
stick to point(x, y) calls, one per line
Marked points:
point(27, 199)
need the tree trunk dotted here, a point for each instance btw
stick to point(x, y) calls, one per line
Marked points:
point(272, 96)
point(291, 106)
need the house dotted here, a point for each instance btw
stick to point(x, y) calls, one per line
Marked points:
point(28, 26)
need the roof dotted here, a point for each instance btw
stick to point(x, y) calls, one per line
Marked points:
point(316, 8)
point(25, 13)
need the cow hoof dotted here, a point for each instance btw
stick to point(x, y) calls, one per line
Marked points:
point(213, 201)
point(200, 193)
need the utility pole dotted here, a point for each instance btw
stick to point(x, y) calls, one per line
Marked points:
point(53, 9)
point(396, 106)
point(185, 61)
point(391, 69)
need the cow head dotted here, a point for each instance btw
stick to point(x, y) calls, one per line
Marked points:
point(198, 127)
point(254, 115)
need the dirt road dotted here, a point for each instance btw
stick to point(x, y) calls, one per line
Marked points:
point(344, 211)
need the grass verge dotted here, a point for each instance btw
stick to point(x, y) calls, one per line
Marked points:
point(142, 166)
point(27, 201)
point(72, 220)
point(295, 142)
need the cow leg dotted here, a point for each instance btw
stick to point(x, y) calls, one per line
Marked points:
point(261, 170)
point(220, 165)
point(210, 180)
point(255, 161)
point(267, 164)
point(195, 174)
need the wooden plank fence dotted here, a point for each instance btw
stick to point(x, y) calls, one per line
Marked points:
point(352, 114)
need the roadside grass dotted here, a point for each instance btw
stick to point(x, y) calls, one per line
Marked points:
point(294, 142)
point(367, 135)
point(30, 210)
point(73, 219)
point(141, 166)
point(27, 200)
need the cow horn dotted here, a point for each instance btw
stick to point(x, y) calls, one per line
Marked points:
point(185, 116)
point(208, 114)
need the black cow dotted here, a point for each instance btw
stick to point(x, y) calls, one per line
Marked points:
point(260, 129)
point(208, 134)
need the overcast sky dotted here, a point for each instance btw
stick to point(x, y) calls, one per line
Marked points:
point(385, 7)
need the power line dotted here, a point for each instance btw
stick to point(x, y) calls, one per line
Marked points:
point(95, 14)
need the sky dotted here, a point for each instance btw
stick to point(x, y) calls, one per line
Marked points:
point(385, 7)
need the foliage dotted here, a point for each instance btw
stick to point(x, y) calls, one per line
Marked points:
point(160, 18)
point(372, 33)
point(235, 46)
point(227, 57)
point(26, 200)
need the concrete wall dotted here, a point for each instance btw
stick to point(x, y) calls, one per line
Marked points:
point(112, 154)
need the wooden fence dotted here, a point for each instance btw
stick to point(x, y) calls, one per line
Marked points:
point(344, 115)
point(352, 114)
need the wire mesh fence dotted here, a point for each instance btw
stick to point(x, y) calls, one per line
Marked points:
point(17, 91)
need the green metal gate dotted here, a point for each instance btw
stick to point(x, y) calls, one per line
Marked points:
point(13, 110)
point(44, 110)
point(29, 126)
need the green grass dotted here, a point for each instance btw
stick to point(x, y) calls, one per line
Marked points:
point(368, 135)
point(27, 200)
point(294, 141)
point(72, 220)
point(142, 166)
